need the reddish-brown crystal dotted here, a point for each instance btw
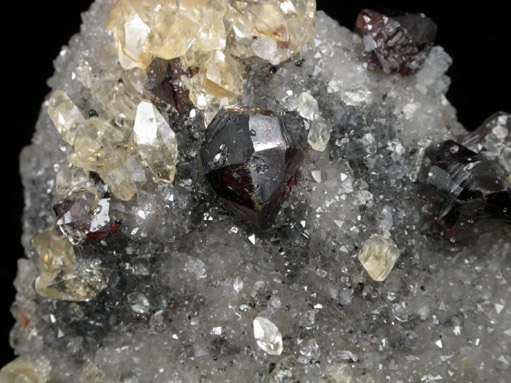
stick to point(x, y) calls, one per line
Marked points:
point(467, 194)
point(250, 163)
point(396, 42)
point(164, 81)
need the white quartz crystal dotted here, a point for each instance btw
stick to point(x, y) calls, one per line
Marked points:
point(267, 336)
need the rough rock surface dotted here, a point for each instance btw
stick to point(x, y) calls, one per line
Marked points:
point(186, 279)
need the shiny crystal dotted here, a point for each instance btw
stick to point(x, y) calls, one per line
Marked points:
point(155, 141)
point(378, 256)
point(65, 115)
point(267, 336)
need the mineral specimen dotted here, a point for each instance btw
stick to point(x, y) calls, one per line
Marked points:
point(468, 195)
point(186, 292)
point(396, 42)
point(250, 162)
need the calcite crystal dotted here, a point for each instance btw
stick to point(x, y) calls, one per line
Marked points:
point(250, 163)
point(137, 279)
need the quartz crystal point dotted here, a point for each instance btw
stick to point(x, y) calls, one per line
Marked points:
point(62, 276)
point(85, 215)
point(378, 256)
point(155, 141)
point(396, 42)
point(267, 336)
point(250, 163)
point(467, 194)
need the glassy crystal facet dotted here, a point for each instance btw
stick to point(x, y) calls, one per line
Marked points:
point(396, 42)
point(467, 193)
point(249, 161)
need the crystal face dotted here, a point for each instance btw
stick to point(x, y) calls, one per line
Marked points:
point(378, 256)
point(396, 42)
point(250, 162)
point(85, 215)
point(267, 336)
point(467, 194)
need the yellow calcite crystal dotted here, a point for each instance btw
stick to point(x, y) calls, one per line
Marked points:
point(64, 114)
point(62, 276)
point(378, 256)
point(22, 370)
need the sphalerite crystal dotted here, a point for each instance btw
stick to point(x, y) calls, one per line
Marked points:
point(396, 42)
point(250, 163)
point(185, 293)
point(468, 195)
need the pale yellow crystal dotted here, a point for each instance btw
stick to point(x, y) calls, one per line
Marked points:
point(222, 76)
point(155, 141)
point(71, 178)
point(21, 370)
point(62, 276)
point(319, 134)
point(91, 374)
point(378, 256)
point(64, 114)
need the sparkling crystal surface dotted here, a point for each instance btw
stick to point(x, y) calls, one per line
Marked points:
point(250, 163)
point(468, 195)
point(396, 42)
point(378, 256)
point(267, 336)
point(173, 295)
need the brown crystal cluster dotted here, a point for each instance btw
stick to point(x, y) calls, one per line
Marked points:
point(208, 36)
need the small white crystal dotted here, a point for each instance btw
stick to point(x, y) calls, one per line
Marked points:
point(138, 303)
point(378, 256)
point(319, 134)
point(267, 336)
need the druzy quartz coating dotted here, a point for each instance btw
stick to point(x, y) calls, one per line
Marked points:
point(250, 162)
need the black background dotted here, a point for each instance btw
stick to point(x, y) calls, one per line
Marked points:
point(476, 37)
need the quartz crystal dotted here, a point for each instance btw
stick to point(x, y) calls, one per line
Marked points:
point(267, 336)
point(155, 141)
point(189, 288)
point(378, 256)
point(250, 163)
point(467, 194)
point(396, 42)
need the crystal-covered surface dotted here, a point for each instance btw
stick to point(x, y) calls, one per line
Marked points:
point(441, 315)
point(250, 163)
point(396, 42)
point(467, 194)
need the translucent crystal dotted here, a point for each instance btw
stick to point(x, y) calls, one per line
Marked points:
point(70, 178)
point(319, 134)
point(378, 256)
point(62, 276)
point(222, 76)
point(138, 303)
point(21, 370)
point(85, 214)
point(267, 336)
point(155, 141)
point(307, 106)
point(65, 115)
point(91, 374)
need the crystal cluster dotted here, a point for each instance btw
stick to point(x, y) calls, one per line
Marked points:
point(396, 42)
point(208, 36)
point(182, 247)
point(250, 162)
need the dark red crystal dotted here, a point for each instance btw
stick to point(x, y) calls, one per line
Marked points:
point(84, 215)
point(250, 163)
point(467, 194)
point(164, 81)
point(396, 42)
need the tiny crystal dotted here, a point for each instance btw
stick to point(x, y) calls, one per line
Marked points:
point(155, 141)
point(250, 163)
point(267, 336)
point(378, 256)
point(319, 134)
point(396, 42)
